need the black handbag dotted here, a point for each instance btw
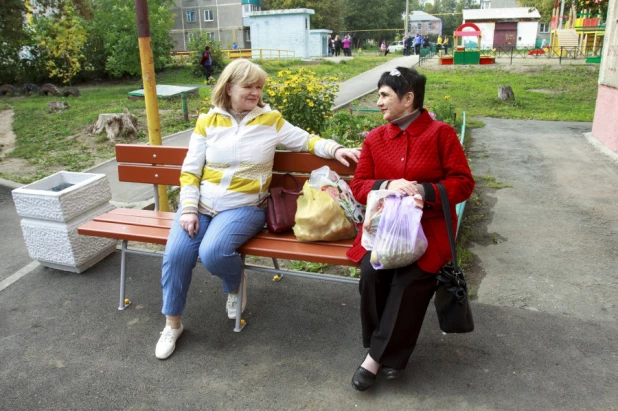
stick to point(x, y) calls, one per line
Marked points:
point(451, 300)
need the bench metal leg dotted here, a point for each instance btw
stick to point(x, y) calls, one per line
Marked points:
point(239, 325)
point(123, 261)
point(277, 276)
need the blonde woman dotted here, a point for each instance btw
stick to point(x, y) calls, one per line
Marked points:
point(225, 177)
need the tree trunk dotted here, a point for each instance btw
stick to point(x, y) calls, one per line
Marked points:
point(505, 93)
point(116, 125)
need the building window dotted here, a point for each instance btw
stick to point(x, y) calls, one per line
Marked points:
point(208, 16)
point(419, 26)
point(191, 16)
point(543, 28)
point(485, 4)
point(430, 26)
point(248, 36)
point(248, 8)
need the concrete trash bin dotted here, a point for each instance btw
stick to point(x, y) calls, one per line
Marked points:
point(53, 208)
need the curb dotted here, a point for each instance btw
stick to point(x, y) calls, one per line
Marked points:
point(10, 184)
point(601, 147)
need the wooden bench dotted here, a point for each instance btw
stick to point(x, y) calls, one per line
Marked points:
point(162, 165)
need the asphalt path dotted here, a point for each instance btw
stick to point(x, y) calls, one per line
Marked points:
point(64, 345)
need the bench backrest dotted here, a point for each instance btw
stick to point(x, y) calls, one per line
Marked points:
point(162, 165)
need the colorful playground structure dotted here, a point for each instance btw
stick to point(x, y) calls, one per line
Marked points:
point(463, 54)
point(582, 30)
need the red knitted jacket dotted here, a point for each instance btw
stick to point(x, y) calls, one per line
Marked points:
point(428, 152)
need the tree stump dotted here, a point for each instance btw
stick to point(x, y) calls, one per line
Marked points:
point(116, 125)
point(57, 105)
point(505, 93)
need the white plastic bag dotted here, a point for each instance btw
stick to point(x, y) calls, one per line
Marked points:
point(373, 213)
point(325, 179)
point(400, 239)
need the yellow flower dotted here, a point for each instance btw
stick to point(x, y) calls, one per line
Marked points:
point(447, 97)
point(311, 104)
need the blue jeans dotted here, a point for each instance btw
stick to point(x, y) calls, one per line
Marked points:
point(216, 242)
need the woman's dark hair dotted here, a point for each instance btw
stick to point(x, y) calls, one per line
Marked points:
point(404, 80)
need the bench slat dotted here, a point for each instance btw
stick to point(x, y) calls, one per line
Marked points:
point(167, 215)
point(286, 161)
point(135, 220)
point(317, 253)
point(145, 154)
point(137, 173)
point(124, 232)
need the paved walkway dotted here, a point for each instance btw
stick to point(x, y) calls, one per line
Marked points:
point(545, 315)
point(140, 195)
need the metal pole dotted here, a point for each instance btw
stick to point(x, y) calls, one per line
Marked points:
point(185, 110)
point(561, 14)
point(150, 85)
point(407, 18)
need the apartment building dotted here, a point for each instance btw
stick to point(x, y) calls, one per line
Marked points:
point(222, 20)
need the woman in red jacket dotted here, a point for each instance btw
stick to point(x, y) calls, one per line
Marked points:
point(410, 154)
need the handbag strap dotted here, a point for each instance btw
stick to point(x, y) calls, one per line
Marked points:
point(298, 186)
point(446, 207)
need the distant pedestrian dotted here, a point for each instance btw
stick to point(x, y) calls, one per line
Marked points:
point(351, 45)
point(329, 44)
point(234, 46)
point(338, 45)
point(206, 62)
point(407, 46)
point(445, 45)
point(418, 40)
point(346, 46)
point(384, 49)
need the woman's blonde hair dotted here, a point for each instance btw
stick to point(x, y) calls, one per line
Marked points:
point(239, 71)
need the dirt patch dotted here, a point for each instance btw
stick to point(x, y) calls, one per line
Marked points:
point(542, 91)
point(7, 137)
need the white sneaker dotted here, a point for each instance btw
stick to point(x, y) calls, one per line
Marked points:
point(167, 342)
point(232, 301)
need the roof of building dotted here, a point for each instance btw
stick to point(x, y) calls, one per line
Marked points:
point(279, 11)
point(498, 14)
point(418, 15)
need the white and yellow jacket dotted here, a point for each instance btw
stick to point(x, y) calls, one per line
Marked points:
point(229, 164)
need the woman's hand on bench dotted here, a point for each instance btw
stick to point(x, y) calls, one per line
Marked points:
point(190, 223)
point(352, 153)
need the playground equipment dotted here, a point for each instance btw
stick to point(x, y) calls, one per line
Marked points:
point(470, 53)
point(582, 30)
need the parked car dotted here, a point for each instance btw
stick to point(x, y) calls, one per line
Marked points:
point(395, 46)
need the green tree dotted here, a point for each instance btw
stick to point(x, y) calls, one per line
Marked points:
point(328, 14)
point(197, 43)
point(61, 39)
point(115, 29)
point(13, 37)
point(545, 8)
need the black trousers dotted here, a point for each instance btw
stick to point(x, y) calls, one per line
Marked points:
point(393, 306)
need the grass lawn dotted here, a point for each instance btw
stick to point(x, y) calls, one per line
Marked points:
point(48, 141)
point(541, 93)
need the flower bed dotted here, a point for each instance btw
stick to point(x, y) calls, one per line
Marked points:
point(446, 60)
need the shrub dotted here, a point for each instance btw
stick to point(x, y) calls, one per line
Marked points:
point(444, 110)
point(303, 98)
point(350, 130)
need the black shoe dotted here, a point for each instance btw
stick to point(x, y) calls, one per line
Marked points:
point(363, 379)
point(390, 373)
